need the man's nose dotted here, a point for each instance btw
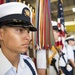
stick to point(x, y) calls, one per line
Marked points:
point(27, 36)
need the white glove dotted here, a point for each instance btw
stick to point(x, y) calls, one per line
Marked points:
point(68, 67)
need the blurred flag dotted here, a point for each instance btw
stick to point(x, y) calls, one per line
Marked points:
point(10, 1)
point(45, 37)
point(61, 25)
point(39, 23)
point(6, 1)
point(43, 22)
point(1, 1)
point(62, 30)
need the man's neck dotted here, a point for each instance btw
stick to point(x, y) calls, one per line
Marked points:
point(12, 57)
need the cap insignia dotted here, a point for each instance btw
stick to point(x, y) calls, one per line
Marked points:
point(26, 12)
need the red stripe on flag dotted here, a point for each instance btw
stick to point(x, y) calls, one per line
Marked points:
point(1, 1)
point(61, 25)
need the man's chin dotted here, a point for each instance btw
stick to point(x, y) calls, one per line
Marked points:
point(24, 51)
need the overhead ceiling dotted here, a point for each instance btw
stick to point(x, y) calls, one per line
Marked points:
point(69, 15)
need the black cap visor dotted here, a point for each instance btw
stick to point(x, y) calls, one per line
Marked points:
point(17, 21)
point(71, 39)
point(55, 28)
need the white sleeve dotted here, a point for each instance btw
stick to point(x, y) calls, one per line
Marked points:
point(41, 59)
point(70, 53)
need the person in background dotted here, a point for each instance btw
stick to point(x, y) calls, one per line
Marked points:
point(54, 65)
point(15, 25)
point(41, 58)
point(74, 57)
point(70, 54)
point(63, 57)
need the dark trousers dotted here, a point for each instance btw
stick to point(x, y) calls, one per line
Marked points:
point(67, 72)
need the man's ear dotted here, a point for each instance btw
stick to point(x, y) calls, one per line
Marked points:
point(1, 34)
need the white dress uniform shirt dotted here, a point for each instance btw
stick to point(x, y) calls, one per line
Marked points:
point(6, 68)
point(62, 63)
point(70, 52)
point(41, 59)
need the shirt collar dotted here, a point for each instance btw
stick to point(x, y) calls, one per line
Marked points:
point(22, 63)
point(5, 65)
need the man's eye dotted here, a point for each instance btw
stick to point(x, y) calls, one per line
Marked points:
point(28, 31)
point(23, 30)
point(20, 30)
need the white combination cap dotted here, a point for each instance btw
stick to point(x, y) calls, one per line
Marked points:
point(70, 38)
point(54, 25)
point(16, 14)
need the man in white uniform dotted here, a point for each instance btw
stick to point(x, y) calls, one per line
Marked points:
point(41, 58)
point(70, 54)
point(15, 25)
point(67, 55)
point(63, 57)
